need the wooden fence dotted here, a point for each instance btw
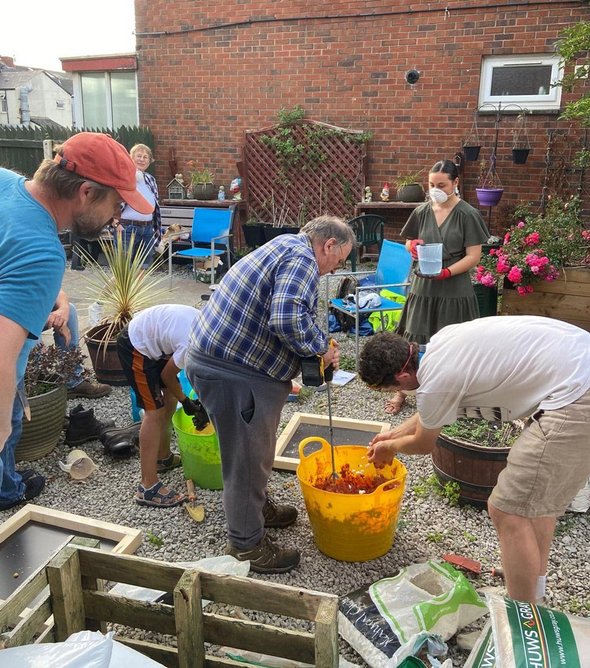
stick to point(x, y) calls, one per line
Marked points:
point(21, 148)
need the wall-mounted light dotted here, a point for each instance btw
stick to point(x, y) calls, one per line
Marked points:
point(412, 77)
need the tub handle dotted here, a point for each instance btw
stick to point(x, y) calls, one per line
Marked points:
point(312, 439)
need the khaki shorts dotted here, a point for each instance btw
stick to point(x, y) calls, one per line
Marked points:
point(548, 464)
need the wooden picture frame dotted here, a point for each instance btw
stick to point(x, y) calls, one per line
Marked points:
point(286, 460)
point(126, 539)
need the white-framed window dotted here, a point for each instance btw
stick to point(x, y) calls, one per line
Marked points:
point(524, 80)
point(105, 99)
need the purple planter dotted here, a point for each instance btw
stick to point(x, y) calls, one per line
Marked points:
point(489, 196)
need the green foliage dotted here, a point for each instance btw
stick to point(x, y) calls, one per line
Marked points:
point(199, 176)
point(123, 286)
point(436, 537)
point(50, 366)
point(432, 485)
point(582, 159)
point(154, 539)
point(536, 246)
point(574, 49)
point(347, 362)
point(469, 536)
point(408, 179)
point(482, 432)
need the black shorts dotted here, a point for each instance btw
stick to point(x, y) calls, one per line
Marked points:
point(142, 373)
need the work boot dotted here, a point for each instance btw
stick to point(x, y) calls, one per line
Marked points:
point(88, 390)
point(278, 516)
point(121, 441)
point(84, 426)
point(267, 557)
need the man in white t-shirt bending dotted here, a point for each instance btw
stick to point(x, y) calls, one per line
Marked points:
point(152, 350)
point(500, 368)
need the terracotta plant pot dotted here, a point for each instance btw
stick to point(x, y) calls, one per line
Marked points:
point(104, 358)
point(41, 435)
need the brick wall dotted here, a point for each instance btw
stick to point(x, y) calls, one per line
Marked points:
point(202, 86)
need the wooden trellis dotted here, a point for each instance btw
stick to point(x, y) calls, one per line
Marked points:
point(329, 177)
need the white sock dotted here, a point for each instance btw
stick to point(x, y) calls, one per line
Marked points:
point(541, 587)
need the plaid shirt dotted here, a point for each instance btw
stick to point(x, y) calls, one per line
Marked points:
point(263, 313)
point(150, 182)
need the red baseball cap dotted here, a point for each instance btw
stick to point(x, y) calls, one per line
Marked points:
point(98, 157)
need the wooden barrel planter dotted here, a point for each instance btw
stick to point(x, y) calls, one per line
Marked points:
point(104, 358)
point(475, 468)
point(567, 298)
point(41, 434)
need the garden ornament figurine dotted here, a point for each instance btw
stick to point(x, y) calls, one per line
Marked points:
point(368, 195)
point(385, 192)
point(519, 367)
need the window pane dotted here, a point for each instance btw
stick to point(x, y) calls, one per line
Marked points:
point(94, 100)
point(521, 80)
point(124, 99)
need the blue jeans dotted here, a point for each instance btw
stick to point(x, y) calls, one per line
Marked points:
point(144, 238)
point(12, 486)
point(60, 342)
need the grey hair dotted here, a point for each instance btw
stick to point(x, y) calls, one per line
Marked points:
point(326, 227)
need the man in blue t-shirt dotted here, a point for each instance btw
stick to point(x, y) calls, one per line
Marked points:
point(81, 189)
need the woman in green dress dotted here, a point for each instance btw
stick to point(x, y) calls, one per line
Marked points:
point(446, 298)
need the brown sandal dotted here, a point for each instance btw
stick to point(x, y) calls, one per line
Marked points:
point(395, 404)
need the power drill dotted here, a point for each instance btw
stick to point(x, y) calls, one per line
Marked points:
point(314, 372)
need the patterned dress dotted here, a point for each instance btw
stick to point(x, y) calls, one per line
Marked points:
point(434, 304)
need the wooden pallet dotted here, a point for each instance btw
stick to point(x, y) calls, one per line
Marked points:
point(77, 599)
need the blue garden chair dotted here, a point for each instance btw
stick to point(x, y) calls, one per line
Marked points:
point(210, 237)
point(392, 273)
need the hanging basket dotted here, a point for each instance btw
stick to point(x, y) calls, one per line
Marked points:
point(489, 196)
point(471, 153)
point(520, 155)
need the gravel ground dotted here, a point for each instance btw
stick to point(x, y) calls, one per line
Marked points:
point(429, 526)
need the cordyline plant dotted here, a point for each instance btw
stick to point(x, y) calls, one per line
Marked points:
point(50, 366)
point(536, 247)
point(123, 287)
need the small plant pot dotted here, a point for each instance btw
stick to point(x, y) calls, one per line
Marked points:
point(413, 192)
point(204, 191)
point(471, 153)
point(489, 196)
point(520, 155)
point(254, 235)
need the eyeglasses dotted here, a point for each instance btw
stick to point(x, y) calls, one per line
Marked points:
point(342, 262)
point(410, 355)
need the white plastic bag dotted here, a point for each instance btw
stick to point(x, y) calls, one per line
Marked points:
point(86, 649)
point(432, 597)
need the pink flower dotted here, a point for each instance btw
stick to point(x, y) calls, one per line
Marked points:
point(506, 237)
point(515, 274)
point(520, 224)
point(488, 280)
point(524, 289)
point(585, 235)
point(502, 265)
point(532, 239)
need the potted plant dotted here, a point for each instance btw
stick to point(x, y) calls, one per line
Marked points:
point(472, 142)
point(409, 189)
point(48, 370)
point(489, 191)
point(123, 288)
point(544, 257)
point(521, 146)
point(201, 182)
point(253, 231)
point(472, 453)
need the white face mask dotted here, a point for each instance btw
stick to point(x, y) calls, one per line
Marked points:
point(437, 195)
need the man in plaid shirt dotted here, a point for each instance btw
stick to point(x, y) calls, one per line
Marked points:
point(245, 348)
